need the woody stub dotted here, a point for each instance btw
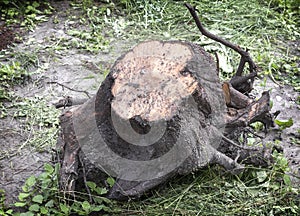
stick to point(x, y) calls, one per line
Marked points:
point(161, 111)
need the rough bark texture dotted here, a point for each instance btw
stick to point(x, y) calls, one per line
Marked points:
point(172, 86)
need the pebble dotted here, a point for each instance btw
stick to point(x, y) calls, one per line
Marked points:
point(278, 98)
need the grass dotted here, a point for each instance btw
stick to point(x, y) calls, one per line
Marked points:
point(210, 193)
point(259, 26)
point(26, 14)
point(35, 121)
point(267, 28)
point(254, 25)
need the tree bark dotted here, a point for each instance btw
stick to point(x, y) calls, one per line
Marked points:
point(161, 111)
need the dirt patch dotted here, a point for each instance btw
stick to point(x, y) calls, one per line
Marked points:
point(61, 72)
point(285, 98)
point(81, 70)
point(7, 36)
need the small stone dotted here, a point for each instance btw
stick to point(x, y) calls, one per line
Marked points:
point(278, 98)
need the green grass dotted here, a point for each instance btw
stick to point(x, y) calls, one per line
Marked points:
point(211, 192)
point(265, 28)
point(253, 24)
point(10, 74)
point(26, 14)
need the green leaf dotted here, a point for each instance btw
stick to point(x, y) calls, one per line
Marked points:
point(56, 168)
point(284, 124)
point(98, 200)
point(97, 208)
point(64, 208)
point(23, 196)
point(30, 181)
point(91, 185)
point(49, 204)
point(101, 191)
point(27, 214)
point(9, 212)
point(251, 141)
point(34, 208)
point(48, 168)
point(25, 188)
point(254, 192)
point(38, 199)
point(19, 204)
point(261, 176)
point(110, 181)
point(86, 206)
point(43, 210)
point(287, 180)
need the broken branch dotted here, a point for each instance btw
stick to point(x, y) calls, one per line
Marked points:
point(75, 90)
point(245, 57)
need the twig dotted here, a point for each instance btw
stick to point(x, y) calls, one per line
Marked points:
point(69, 101)
point(64, 86)
point(254, 134)
point(270, 74)
point(84, 179)
point(236, 145)
point(218, 62)
point(245, 57)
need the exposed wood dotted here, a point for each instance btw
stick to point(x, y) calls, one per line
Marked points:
point(234, 98)
point(69, 101)
point(174, 83)
point(151, 84)
point(256, 111)
point(68, 148)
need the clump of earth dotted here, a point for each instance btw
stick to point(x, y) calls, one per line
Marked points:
point(84, 71)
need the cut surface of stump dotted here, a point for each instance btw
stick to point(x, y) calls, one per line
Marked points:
point(159, 112)
point(151, 84)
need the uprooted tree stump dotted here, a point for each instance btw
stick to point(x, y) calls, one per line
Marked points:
point(161, 111)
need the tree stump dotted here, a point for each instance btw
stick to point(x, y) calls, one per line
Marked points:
point(161, 111)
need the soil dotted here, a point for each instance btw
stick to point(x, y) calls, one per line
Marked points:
point(7, 36)
point(84, 71)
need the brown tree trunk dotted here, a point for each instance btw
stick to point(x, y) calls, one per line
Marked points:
point(161, 111)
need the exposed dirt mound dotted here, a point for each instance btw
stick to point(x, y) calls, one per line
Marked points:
point(7, 35)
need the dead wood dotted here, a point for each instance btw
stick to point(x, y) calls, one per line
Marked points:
point(234, 98)
point(69, 101)
point(239, 82)
point(75, 90)
point(160, 112)
point(174, 83)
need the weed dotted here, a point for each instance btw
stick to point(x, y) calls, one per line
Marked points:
point(40, 121)
point(31, 13)
point(92, 38)
point(284, 124)
point(10, 74)
point(40, 196)
point(3, 210)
